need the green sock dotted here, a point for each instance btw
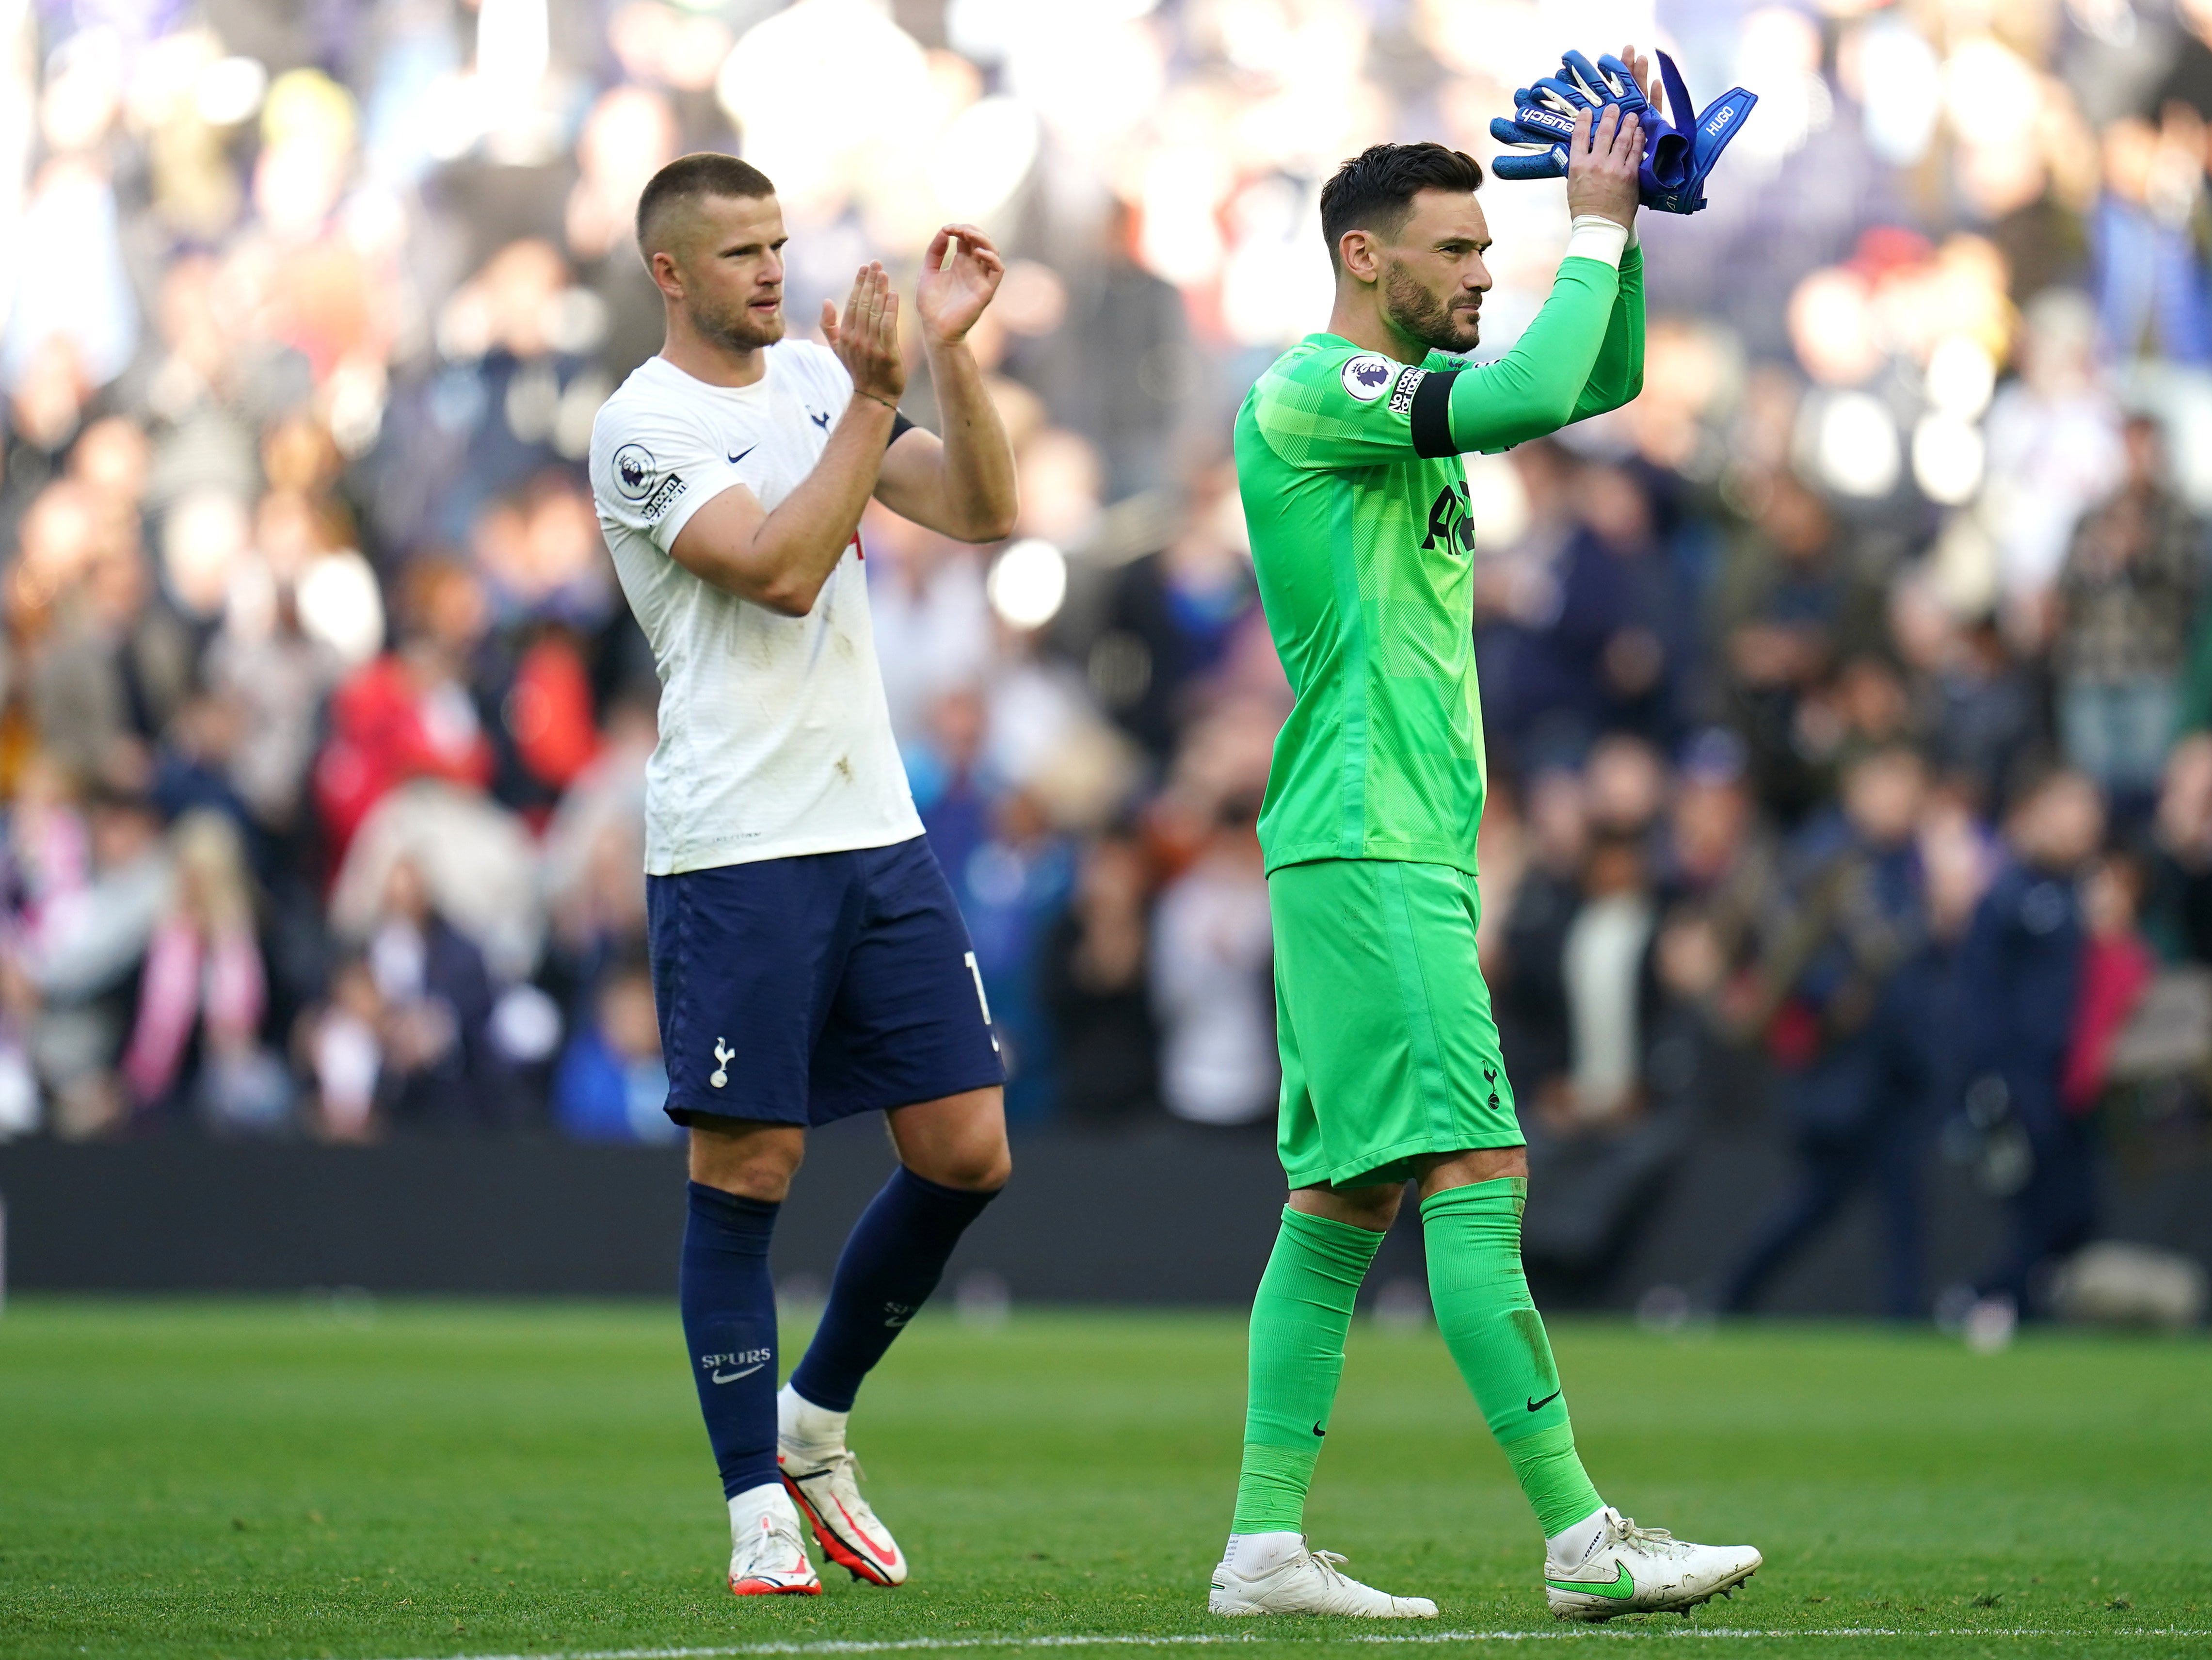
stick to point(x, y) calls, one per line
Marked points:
point(1299, 1319)
point(1496, 1338)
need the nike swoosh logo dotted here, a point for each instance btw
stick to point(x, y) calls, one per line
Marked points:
point(742, 453)
point(1318, 1430)
point(1622, 1589)
point(884, 1552)
point(732, 1377)
point(1539, 1406)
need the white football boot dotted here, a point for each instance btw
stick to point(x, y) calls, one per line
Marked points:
point(767, 1555)
point(823, 1479)
point(828, 1493)
point(1299, 1580)
point(1632, 1570)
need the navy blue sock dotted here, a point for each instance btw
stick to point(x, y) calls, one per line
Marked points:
point(729, 1320)
point(892, 1261)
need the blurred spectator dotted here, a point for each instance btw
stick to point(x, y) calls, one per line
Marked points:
point(513, 397)
point(1791, 604)
point(1010, 887)
point(2054, 450)
point(594, 859)
point(945, 771)
point(931, 622)
point(2126, 598)
point(630, 134)
point(1171, 616)
point(274, 676)
point(1525, 967)
point(194, 1044)
point(76, 982)
point(1849, 981)
point(1976, 707)
point(1095, 976)
point(611, 1083)
point(1626, 784)
point(408, 715)
point(2149, 281)
point(49, 852)
point(1719, 858)
point(341, 1048)
point(2020, 991)
point(2179, 909)
point(2116, 969)
point(191, 770)
point(1612, 649)
point(477, 860)
point(117, 662)
point(1603, 971)
point(435, 999)
point(1213, 979)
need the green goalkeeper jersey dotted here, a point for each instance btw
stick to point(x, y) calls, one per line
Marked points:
point(1357, 502)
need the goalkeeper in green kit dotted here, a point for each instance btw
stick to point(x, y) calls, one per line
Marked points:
point(1348, 451)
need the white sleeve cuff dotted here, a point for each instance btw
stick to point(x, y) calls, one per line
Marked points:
point(1594, 236)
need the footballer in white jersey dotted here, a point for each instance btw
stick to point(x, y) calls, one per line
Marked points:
point(808, 960)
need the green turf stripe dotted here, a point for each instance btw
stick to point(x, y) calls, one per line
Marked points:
point(1189, 1639)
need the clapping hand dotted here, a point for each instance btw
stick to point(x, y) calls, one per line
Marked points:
point(866, 340)
point(959, 274)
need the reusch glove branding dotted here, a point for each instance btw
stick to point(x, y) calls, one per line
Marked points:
point(1677, 156)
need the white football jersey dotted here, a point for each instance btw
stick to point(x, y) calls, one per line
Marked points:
point(775, 737)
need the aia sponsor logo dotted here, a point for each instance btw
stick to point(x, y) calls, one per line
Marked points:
point(1451, 525)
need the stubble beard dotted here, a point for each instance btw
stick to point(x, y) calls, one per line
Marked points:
point(1421, 315)
point(738, 329)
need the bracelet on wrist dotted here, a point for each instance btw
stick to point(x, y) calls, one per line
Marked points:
point(887, 403)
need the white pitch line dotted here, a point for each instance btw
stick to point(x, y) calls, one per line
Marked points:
point(1210, 1638)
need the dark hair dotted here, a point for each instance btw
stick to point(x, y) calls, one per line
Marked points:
point(688, 178)
point(2033, 781)
point(1887, 748)
point(1375, 189)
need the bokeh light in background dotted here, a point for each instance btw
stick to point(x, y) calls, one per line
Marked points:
point(1028, 583)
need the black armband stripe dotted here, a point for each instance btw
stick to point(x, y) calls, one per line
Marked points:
point(1432, 414)
point(899, 424)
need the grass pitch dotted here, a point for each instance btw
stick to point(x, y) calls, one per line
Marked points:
point(427, 1480)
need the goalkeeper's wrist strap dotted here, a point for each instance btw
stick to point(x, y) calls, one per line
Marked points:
point(1594, 236)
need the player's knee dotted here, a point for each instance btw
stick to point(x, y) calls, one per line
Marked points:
point(979, 1168)
point(752, 1168)
point(998, 1170)
point(1374, 1208)
point(761, 1179)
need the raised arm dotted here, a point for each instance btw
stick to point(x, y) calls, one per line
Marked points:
point(1535, 388)
point(1617, 376)
point(779, 560)
point(962, 484)
point(1546, 380)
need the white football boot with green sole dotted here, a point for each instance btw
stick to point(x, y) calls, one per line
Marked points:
point(1632, 1570)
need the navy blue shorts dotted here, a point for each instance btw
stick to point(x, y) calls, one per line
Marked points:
point(800, 991)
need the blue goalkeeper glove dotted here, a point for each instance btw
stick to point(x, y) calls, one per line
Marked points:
point(1544, 115)
point(1675, 163)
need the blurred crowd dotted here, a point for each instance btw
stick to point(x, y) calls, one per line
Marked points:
point(1849, 694)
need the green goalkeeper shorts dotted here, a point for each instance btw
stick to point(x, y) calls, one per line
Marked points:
point(1389, 1049)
